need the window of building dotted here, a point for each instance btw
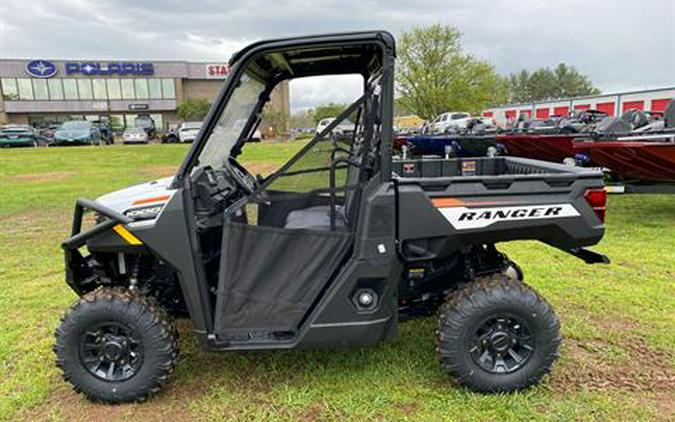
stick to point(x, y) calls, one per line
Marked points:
point(141, 86)
point(55, 89)
point(155, 88)
point(128, 89)
point(40, 90)
point(130, 120)
point(25, 89)
point(99, 89)
point(159, 121)
point(114, 90)
point(168, 88)
point(117, 121)
point(70, 89)
point(84, 87)
point(9, 90)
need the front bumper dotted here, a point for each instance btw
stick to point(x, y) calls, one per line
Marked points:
point(18, 142)
point(79, 273)
point(78, 141)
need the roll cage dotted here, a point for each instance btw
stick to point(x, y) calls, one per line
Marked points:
point(364, 53)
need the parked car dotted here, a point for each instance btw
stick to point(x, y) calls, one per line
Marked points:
point(77, 132)
point(187, 132)
point(147, 123)
point(170, 136)
point(345, 128)
point(449, 122)
point(135, 135)
point(20, 136)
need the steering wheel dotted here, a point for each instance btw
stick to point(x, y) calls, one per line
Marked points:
point(245, 179)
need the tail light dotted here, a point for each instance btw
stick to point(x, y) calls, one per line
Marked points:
point(597, 199)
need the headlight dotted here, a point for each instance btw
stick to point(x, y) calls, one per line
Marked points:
point(144, 213)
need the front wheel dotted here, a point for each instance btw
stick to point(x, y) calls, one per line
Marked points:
point(496, 334)
point(114, 346)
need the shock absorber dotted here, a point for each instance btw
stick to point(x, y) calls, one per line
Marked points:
point(133, 277)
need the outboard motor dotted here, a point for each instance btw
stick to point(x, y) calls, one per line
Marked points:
point(636, 118)
point(669, 114)
point(613, 126)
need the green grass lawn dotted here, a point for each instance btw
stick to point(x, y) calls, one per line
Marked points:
point(617, 363)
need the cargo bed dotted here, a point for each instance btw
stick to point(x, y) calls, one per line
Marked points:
point(447, 204)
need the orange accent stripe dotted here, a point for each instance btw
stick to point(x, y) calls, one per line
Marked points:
point(150, 200)
point(454, 202)
point(447, 202)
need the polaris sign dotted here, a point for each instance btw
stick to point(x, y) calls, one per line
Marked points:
point(41, 68)
point(112, 68)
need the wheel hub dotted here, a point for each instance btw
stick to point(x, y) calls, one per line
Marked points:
point(500, 341)
point(111, 352)
point(502, 344)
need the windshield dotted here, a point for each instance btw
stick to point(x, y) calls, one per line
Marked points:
point(144, 122)
point(76, 124)
point(135, 130)
point(231, 122)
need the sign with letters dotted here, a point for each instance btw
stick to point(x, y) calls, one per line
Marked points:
point(217, 70)
point(112, 68)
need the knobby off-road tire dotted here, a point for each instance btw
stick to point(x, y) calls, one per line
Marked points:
point(115, 327)
point(495, 334)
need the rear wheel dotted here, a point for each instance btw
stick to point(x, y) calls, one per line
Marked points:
point(114, 346)
point(496, 334)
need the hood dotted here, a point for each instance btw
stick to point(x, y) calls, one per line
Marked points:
point(124, 199)
point(72, 133)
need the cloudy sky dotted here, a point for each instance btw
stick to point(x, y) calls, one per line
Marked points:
point(620, 44)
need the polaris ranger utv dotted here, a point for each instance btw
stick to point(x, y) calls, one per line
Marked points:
point(335, 248)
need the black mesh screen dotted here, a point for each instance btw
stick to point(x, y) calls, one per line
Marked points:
point(272, 276)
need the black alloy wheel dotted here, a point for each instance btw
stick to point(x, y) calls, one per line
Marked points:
point(502, 344)
point(111, 351)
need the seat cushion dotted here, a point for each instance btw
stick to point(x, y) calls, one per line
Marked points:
point(315, 218)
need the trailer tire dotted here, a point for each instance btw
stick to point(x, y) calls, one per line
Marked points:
point(122, 330)
point(496, 334)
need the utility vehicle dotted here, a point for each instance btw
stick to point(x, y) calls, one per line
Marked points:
point(335, 248)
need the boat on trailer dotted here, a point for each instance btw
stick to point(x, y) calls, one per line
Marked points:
point(639, 159)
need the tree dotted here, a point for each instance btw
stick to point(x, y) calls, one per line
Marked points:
point(547, 84)
point(193, 109)
point(274, 122)
point(303, 119)
point(435, 75)
point(328, 110)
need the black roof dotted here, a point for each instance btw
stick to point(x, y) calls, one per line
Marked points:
point(349, 52)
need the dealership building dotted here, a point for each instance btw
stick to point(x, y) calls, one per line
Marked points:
point(41, 92)
point(654, 100)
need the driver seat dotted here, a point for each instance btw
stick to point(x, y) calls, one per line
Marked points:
point(318, 216)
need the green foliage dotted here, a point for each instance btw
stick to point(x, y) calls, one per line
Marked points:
point(193, 109)
point(328, 110)
point(546, 84)
point(274, 121)
point(303, 119)
point(435, 75)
